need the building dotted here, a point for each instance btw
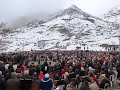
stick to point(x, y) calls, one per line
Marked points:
point(41, 44)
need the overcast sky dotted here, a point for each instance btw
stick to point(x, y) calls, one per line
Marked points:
point(10, 9)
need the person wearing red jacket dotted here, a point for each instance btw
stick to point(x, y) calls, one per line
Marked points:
point(41, 75)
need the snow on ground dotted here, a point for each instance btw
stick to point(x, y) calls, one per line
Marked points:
point(66, 31)
point(0, 37)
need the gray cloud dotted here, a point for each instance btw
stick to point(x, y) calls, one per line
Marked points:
point(96, 7)
point(10, 9)
point(14, 8)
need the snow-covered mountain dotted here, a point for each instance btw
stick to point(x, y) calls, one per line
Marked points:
point(113, 15)
point(65, 30)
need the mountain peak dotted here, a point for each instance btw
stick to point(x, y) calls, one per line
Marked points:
point(73, 7)
point(72, 11)
point(114, 12)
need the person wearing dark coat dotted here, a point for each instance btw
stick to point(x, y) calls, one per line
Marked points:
point(103, 81)
point(45, 68)
point(35, 82)
point(84, 86)
point(7, 75)
point(2, 68)
point(46, 83)
point(26, 81)
point(13, 83)
point(118, 69)
point(2, 82)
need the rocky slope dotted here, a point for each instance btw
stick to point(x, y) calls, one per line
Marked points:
point(65, 30)
point(113, 15)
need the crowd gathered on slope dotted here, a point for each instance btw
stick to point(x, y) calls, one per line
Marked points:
point(59, 70)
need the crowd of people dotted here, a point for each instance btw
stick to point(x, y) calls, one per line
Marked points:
point(58, 70)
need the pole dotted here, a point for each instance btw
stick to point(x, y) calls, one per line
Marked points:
point(119, 40)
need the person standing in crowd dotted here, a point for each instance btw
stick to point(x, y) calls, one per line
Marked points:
point(89, 66)
point(84, 85)
point(2, 68)
point(118, 68)
point(41, 75)
point(45, 68)
point(77, 80)
point(13, 83)
point(2, 82)
point(26, 81)
point(35, 82)
point(71, 86)
point(46, 83)
point(22, 68)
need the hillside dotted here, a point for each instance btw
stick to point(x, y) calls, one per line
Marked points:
point(65, 30)
point(113, 15)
